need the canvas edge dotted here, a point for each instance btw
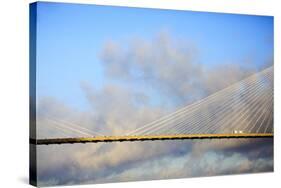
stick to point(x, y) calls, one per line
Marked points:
point(32, 92)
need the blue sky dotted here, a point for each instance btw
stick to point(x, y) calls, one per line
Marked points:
point(70, 38)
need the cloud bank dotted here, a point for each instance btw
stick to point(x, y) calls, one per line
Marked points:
point(146, 79)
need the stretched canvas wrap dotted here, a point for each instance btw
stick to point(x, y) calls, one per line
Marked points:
point(128, 94)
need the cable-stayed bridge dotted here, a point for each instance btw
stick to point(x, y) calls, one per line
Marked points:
point(242, 110)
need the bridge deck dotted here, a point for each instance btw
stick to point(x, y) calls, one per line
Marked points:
point(146, 137)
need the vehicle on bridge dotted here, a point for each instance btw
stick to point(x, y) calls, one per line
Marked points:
point(237, 132)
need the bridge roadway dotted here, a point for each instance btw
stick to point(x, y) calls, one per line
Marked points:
point(146, 138)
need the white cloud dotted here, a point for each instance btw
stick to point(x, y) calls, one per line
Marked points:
point(171, 69)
